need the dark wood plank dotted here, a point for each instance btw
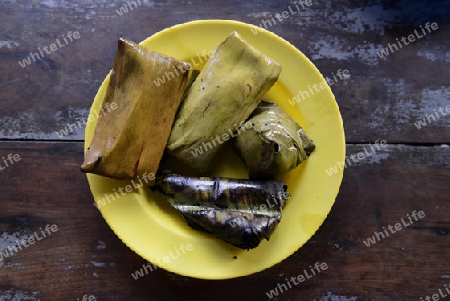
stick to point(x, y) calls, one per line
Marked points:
point(382, 98)
point(84, 257)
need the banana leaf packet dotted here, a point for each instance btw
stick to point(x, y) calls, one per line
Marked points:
point(241, 212)
point(225, 93)
point(274, 145)
point(130, 141)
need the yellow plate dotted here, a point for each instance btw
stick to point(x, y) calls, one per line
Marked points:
point(150, 227)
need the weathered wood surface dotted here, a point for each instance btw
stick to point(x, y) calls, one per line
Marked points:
point(84, 257)
point(382, 99)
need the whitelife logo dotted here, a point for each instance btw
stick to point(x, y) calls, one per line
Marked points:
point(81, 122)
point(207, 146)
point(195, 61)
point(356, 157)
point(316, 88)
point(380, 235)
point(411, 38)
point(183, 249)
point(283, 15)
point(28, 242)
point(53, 47)
point(437, 297)
point(108, 198)
point(131, 4)
point(423, 122)
point(277, 201)
point(300, 278)
point(11, 159)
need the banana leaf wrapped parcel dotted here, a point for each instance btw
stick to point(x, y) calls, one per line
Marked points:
point(274, 145)
point(130, 141)
point(239, 212)
point(225, 93)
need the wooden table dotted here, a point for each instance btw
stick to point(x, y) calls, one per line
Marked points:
point(382, 99)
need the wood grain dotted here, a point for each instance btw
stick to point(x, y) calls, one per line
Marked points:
point(85, 257)
point(382, 98)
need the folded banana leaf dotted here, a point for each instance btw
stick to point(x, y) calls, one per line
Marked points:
point(239, 212)
point(146, 88)
point(274, 145)
point(226, 91)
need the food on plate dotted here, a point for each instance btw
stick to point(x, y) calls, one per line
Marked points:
point(130, 140)
point(274, 145)
point(159, 111)
point(226, 91)
point(239, 212)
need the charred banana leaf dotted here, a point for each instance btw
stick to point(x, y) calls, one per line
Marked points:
point(226, 91)
point(274, 144)
point(239, 212)
point(130, 140)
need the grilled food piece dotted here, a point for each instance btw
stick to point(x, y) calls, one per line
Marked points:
point(274, 144)
point(226, 91)
point(130, 140)
point(239, 212)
